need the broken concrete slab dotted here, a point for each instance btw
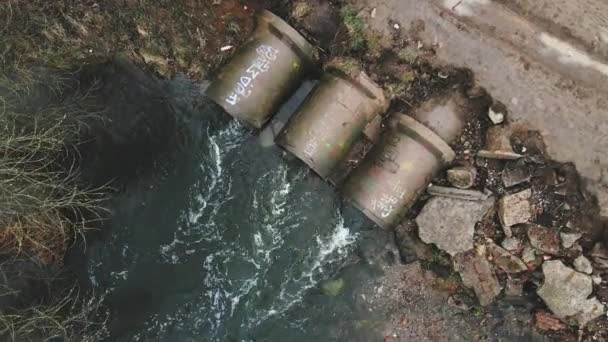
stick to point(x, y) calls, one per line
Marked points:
point(504, 260)
point(568, 239)
point(543, 239)
point(450, 223)
point(468, 195)
point(515, 209)
point(462, 177)
point(476, 273)
point(582, 264)
point(566, 292)
point(514, 287)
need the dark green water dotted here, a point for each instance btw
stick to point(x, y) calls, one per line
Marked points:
point(232, 242)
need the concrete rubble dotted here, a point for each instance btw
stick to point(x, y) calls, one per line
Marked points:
point(453, 230)
point(514, 209)
point(477, 274)
point(568, 239)
point(511, 244)
point(543, 239)
point(566, 292)
point(582, 264)
point(462, 177)
point(504, 260)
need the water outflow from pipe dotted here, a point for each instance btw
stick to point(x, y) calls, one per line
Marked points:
point(265, 71)
point(232, 242)
point(409, 155)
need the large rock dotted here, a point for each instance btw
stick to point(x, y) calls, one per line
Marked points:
point(450, 223)
point(515, 209)
point(566, 292)
point(476, 273)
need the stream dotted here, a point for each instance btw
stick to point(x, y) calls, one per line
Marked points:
point(235, 240)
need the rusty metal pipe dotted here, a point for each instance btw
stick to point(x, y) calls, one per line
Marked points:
point(333, 117)
point(397, 170)
point(265, 71)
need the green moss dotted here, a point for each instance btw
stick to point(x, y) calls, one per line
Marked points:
point(333, 287)
point(300, 10)
point(355, 26)
point(407, 76)
point(408, 56)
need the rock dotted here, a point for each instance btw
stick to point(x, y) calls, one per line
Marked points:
point(514, 287)
point(498, 144)
point(318, 18)
point(528, 256)
point(599, 255)
point(462, 177)
point(566, 292)
point(515, 173)
point(568, 239)
point(505, 260)
point(450, 223)
point(547, 322)
point(543, 239)
point(583, 265)
point(333, 287)
point(495, 116)
point(468, 195)
point(511, 244)
point(476, 273)
point(514, 209)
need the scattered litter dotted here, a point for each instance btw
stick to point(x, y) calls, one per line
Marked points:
point(499, 155)
point(373, 14)
point(226, 48)
point(396, 26)
point(496, 118)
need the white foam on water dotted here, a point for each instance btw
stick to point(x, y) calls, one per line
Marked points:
point(330, 250)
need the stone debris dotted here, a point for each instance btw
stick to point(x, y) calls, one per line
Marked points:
point(496, 117)
point(515, 173)
point(583, 265)
point(529, 257)
point(566, 292)
point(514, 287)
point(547, 322)
point(511, 244)
point(505, 260)
point(599, 255)
point(476, 273)
point(543, 239)
point(498, 144)
point(568, 239)
point(468, 195)
point(514, 209)
point(462, 177)
point(450, 223)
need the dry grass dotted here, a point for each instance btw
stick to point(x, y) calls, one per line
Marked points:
point(43, 207)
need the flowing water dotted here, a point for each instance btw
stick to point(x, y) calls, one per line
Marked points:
point(233, 242)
